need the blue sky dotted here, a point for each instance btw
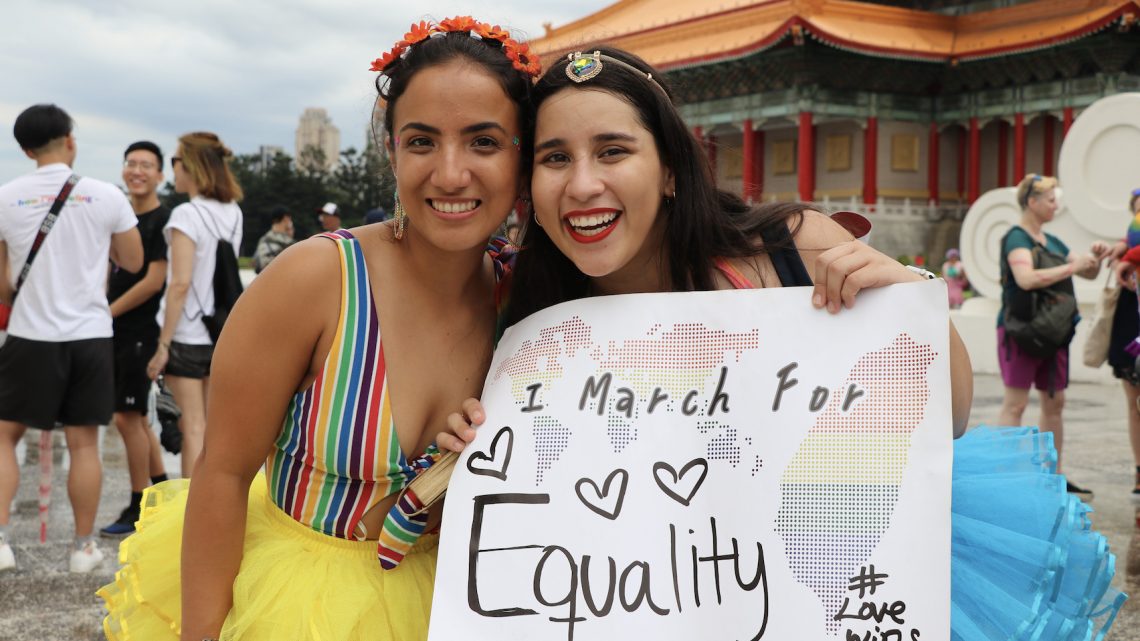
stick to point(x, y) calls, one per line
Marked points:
point(132, 69)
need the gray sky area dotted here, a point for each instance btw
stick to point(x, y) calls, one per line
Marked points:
point(149, 69)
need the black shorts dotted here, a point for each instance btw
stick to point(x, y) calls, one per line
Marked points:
point(132, 353)
point(45, 384)
point(189, 361)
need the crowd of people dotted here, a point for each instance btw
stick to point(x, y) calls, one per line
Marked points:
point(292, 526)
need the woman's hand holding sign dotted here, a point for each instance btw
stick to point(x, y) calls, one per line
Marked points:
point(462, 425)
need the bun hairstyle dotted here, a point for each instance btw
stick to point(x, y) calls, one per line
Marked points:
point(1033, 185)
point(207, 161)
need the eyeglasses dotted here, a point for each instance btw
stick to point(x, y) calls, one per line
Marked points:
point(174, 160)
point(139, 164)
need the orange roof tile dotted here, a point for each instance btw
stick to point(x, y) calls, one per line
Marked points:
point(674, 33)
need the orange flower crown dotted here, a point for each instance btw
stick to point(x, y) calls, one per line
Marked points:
point(517, 52)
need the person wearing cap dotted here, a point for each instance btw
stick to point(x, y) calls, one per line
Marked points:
point(329, 216)
point(279, 236)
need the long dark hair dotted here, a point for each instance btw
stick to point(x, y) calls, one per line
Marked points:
point(442, 48)
point(702, 222)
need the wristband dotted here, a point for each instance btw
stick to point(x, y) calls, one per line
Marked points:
point(167, 346)
point(925, 273)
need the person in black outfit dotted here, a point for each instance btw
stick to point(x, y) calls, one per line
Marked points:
point(134, 306)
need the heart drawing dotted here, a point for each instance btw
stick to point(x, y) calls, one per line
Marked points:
point(674, 484)
point(597, 498)
point(494, 464)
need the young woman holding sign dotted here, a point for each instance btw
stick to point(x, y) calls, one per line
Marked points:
point(625, 202)
point(306, 385)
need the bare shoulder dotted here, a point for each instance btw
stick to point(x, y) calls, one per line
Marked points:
point(306, 276)
point(818, 232)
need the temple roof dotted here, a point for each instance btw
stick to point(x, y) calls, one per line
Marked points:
point(672, 34)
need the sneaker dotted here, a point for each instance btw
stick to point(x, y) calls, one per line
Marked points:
point(86, 558)
point(1081, 493)
point(7, 559)
point(124, 525)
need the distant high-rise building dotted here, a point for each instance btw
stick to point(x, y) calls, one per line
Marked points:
point(316, 130)
point(265, 155)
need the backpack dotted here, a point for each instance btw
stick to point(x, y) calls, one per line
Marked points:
point(227, 282)
point(1041, 321)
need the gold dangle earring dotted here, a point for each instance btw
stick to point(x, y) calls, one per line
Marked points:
point(400, 216)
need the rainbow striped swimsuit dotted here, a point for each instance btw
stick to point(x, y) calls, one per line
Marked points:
point(338, 454)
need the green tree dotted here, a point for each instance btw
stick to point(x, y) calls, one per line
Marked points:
point(359, 182)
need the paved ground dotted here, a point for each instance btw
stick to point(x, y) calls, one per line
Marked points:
point(40, 601)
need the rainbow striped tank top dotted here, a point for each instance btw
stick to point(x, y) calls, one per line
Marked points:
point(338, 455)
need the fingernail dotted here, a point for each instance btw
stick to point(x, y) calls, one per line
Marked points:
point(832, 307)
point(817, 301)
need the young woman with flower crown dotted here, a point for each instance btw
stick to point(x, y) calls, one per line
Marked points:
point(334, 373)
point(624, 202)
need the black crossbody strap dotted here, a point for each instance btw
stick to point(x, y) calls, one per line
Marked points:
point(45, 227)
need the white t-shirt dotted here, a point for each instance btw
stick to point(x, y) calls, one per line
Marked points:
point(204, 220)
point(65, 295)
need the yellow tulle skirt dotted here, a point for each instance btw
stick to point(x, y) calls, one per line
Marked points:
point(294, 583)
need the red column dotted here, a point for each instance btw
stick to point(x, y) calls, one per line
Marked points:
point(932, 164)
point(1003, 154)
point(961, 162)
point(1066, 121)
point(871, 161)
point(746, 156)
point(806, 168)
point(974, 188)
point(758, 167)
point(1047, 166)
point(1018, 146)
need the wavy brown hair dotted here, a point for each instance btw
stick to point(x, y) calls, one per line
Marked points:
point(207, 161)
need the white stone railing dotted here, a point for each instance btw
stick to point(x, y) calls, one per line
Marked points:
point(897, 208)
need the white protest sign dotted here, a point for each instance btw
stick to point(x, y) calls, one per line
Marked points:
point(708, 465)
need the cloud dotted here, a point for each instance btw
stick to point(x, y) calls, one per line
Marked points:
point(131, 69)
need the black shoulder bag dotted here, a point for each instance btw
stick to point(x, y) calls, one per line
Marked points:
point(1041, 321)
point(226, 282)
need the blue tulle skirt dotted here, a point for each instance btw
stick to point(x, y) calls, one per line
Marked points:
point(1026, 563)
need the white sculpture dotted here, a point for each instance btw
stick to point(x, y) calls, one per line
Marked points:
point(1097, 171)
